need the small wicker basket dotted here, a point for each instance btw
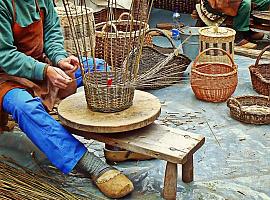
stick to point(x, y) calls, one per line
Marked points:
point(86, 37)
point(115, 47)
point(250, 109)
point(213, 81)
point(260, 75)
point(183, 6)
point(151, 75)
point(105, 96)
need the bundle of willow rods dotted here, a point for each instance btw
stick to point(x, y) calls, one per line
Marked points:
point(17, 183)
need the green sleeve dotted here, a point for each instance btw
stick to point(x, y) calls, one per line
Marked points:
point(12, 61)
point(54, 41)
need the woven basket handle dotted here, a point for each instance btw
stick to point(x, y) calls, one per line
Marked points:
point(163, 33)
point(125, 14)
point(108, 24)
point(232, 102)
point(209, 49)
point(260, 55)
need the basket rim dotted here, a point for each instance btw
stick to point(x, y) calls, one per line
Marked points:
point(254, 70)
point(234, 67)
point(120, 34)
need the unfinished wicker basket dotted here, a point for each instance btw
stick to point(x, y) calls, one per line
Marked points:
point(152, 74)
point(213, 81)
point(250, 109)
point(115, 46)
point(183, 6)
point(80, 33)
point(260, 75)
point(108, 92)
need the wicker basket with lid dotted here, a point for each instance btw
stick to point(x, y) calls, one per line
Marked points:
point(217, 37)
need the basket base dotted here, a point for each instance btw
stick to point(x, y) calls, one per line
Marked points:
point(74, 113)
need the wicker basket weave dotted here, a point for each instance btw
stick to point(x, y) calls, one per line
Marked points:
point(76, 14)
point(103, 97)
point(250, 109)
point(213, 81)
point(160, 76)
point(115, 47)
point(183, 6)
point(260, 75)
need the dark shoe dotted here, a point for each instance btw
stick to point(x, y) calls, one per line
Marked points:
point(246, 44)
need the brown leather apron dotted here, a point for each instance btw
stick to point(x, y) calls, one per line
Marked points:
point(29, 40)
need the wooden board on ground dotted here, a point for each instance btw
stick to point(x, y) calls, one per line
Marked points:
point(74, 113)
point(253, 53)
point(157, 141)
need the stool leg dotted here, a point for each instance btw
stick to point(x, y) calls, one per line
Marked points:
point(170, 181)
point(187, 170)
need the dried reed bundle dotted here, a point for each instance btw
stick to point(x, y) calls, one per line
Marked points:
point(17, 183)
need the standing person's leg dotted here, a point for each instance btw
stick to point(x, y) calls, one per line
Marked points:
point(61, 148)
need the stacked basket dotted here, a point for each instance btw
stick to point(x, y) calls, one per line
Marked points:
point(77, 14)
point(213, 81)
point(183, 6)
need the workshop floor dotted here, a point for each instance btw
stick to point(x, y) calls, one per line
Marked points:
point(233, 164)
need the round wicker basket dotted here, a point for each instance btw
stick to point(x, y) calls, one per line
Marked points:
point(250, 109)
point(113, 46)
point(77, 14)
point(260, 75)
point(107, 92)
point(213, 81)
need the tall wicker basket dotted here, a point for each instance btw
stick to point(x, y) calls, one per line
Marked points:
point(213, 81)
point(260, 75)
point(77, 14)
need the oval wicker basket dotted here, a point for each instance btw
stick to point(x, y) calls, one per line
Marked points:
point(114, 45)
point(250, 109)
point(102, 96)
point(151, 75)
point(260, 75)
point(213, 81)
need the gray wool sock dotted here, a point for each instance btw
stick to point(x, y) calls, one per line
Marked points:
point(92, 165)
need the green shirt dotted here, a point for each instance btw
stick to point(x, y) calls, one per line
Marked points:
point(16, 63)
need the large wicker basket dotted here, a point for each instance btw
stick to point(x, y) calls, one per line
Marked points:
point(76, 14)
point(151, 74)
point(183, 6)
point(250, 109)
point(213, 81)
point(260, 75)
point(115, 47)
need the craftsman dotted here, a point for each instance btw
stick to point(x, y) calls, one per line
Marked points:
point(35, 71)
point(214, 12)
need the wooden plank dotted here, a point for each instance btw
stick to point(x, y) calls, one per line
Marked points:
point(73, 112)
point(155, 140)
point(253, 53)
point(170, 181)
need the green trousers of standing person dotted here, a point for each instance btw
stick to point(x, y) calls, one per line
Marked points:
point(242, 20)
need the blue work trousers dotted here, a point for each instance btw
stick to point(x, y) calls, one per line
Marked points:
point(61, 148)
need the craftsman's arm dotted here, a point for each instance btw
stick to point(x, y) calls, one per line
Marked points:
point(53, 37)
point(12, 61)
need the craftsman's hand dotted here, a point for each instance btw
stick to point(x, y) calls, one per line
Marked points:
point(69, 64)
point(58, 77)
